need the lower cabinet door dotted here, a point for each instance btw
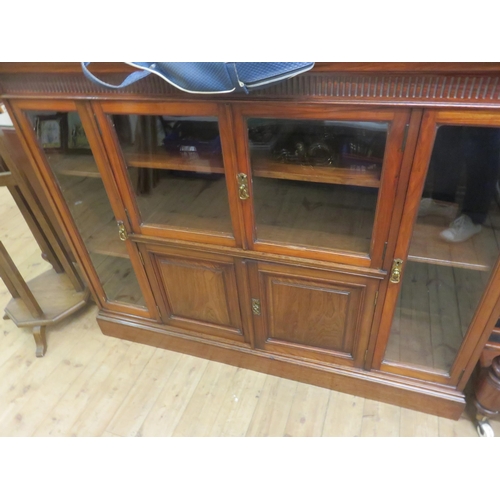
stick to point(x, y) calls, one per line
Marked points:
point(196, 291)
point(309, 313)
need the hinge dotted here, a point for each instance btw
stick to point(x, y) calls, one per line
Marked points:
point(405, 137)
point(376, 298)
point(460, 376)
point(142, 259)
point(159, 313)
point(256, 307)
point(366, 354)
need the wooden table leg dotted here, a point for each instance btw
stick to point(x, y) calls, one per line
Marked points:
point(40, 340)
point(487, 397)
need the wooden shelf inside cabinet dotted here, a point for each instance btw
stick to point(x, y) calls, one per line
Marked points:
point(263, 166)
point(162, 160)
point(478, 253)
point(79, 165)
point(105, 241)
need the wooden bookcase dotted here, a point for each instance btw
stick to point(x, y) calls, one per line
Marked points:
point(271, 243)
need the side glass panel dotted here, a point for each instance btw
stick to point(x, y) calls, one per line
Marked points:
point(68, 154)
point(316, 183)
point(455, 243)
point(176, 171)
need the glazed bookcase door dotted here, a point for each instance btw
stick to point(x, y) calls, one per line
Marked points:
point(322, 316)
point(173, 164)
point(65, 145)
point(435, 311)
point(318, 181)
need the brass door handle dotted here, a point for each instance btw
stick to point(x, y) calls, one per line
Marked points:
point(243, 186)
point(396, 271)
point(122, 232)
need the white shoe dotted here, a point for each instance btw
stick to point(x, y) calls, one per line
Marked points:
point(460, 229)
point(428, 206)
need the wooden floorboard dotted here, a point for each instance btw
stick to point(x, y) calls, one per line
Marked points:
point(380, 420)
point(273, 408)
point(91, 385)
point(307, 414)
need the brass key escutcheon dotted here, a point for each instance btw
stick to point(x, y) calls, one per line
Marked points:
point(256, 307)
point(243, 186)
point(396, 271)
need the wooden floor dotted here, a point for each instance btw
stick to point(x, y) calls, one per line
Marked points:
point(91, 385)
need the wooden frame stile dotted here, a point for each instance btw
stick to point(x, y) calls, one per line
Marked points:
point(50, 185)
point(398, 120)
point(102, 112)
point(228, 140)
point(243, 268)
point(408, 158)
point(488, 310)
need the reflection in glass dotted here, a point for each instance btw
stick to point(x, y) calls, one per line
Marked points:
point(454, 246)
point(68, 154)
point(176, 171)
point(315, 183)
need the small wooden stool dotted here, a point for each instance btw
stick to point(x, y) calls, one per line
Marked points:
point(42, 301)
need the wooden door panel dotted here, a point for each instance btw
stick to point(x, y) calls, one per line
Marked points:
point(304, 313)
point(317, 314)
point(196, 291)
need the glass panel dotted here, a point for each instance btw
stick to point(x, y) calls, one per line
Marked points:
point(316, 183)
point(68, 154)
point(176, 170)
point(454, 246)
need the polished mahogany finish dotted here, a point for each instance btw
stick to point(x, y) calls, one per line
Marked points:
point(196, 291)
point(315, 314)
point(288, 242)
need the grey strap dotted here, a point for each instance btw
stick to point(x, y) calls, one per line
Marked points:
point(132, 78)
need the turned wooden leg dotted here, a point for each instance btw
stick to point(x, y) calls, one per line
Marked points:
point(487, 397)
point(41, 342)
